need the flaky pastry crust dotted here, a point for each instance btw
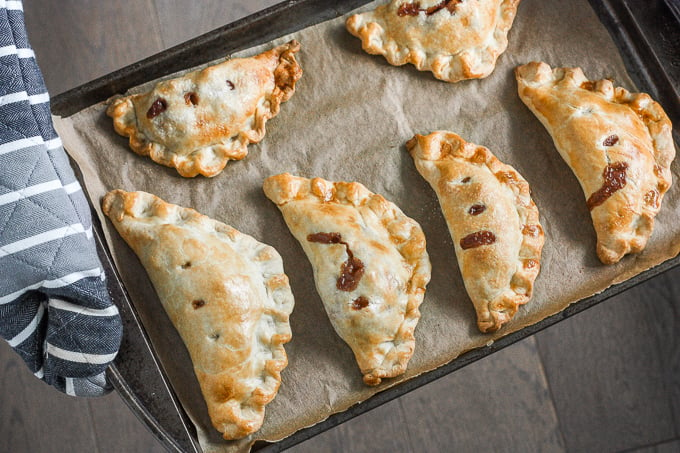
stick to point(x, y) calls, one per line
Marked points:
point(225, 293)
point(618, 144)
point(370, 266)
point(455, 39)
point(492, 219)
point(198, 122)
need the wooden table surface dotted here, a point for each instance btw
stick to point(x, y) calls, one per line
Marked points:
point(605, 380)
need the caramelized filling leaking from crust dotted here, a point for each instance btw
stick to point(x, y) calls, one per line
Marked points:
point(413, 9)
point(614, 179)
point(351, 270)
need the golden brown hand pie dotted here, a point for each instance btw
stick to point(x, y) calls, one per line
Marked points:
point(226, 295)
point(455, 39)
point(493, 222)
point(370, 266)
point(618, 144)
point(198, 122)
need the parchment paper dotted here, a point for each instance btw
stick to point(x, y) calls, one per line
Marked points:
point(349, 120)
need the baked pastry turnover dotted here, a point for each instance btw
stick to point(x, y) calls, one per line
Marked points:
point(455, 39)
point(618, 144)
point(226, 295)
point(493, 222)
point(198, 122)
point(370, 266)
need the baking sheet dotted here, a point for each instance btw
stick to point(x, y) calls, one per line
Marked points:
point(349, 120)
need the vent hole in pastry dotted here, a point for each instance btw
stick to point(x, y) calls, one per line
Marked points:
point(215, 336)
point(466, 180)
point(359, 303)
point(186, 265)
point(191, 98)
point(159, 106)
point(611, 140)
point(476, 209)
point(477, 239)
point(198, 303)
point(231, 85)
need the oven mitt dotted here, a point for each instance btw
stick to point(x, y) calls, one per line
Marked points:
point(55, 310)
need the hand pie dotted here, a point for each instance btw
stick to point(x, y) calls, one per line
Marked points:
point(370, 266)
point(455, 39)
point(618, 144)
point(198, 122)
point(226, 295)
point(493, 222)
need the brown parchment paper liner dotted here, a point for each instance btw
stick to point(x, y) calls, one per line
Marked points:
point(349, 120)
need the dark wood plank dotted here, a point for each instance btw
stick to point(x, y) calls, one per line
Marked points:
point(672, 446)
point(36, 417)
point(613, 369)
point(117, 429)
point(664, 296)
point(382, 429)
point(502, 400)
point(77, 41)
point(181, 23)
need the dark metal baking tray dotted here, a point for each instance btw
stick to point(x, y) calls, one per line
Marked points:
point(647, 33)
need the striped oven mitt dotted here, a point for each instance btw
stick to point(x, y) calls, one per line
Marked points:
point(55, 310)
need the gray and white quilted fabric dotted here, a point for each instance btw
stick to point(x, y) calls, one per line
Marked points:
point(55, 310)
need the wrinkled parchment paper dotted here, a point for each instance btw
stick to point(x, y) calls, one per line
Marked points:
point(349, 120)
